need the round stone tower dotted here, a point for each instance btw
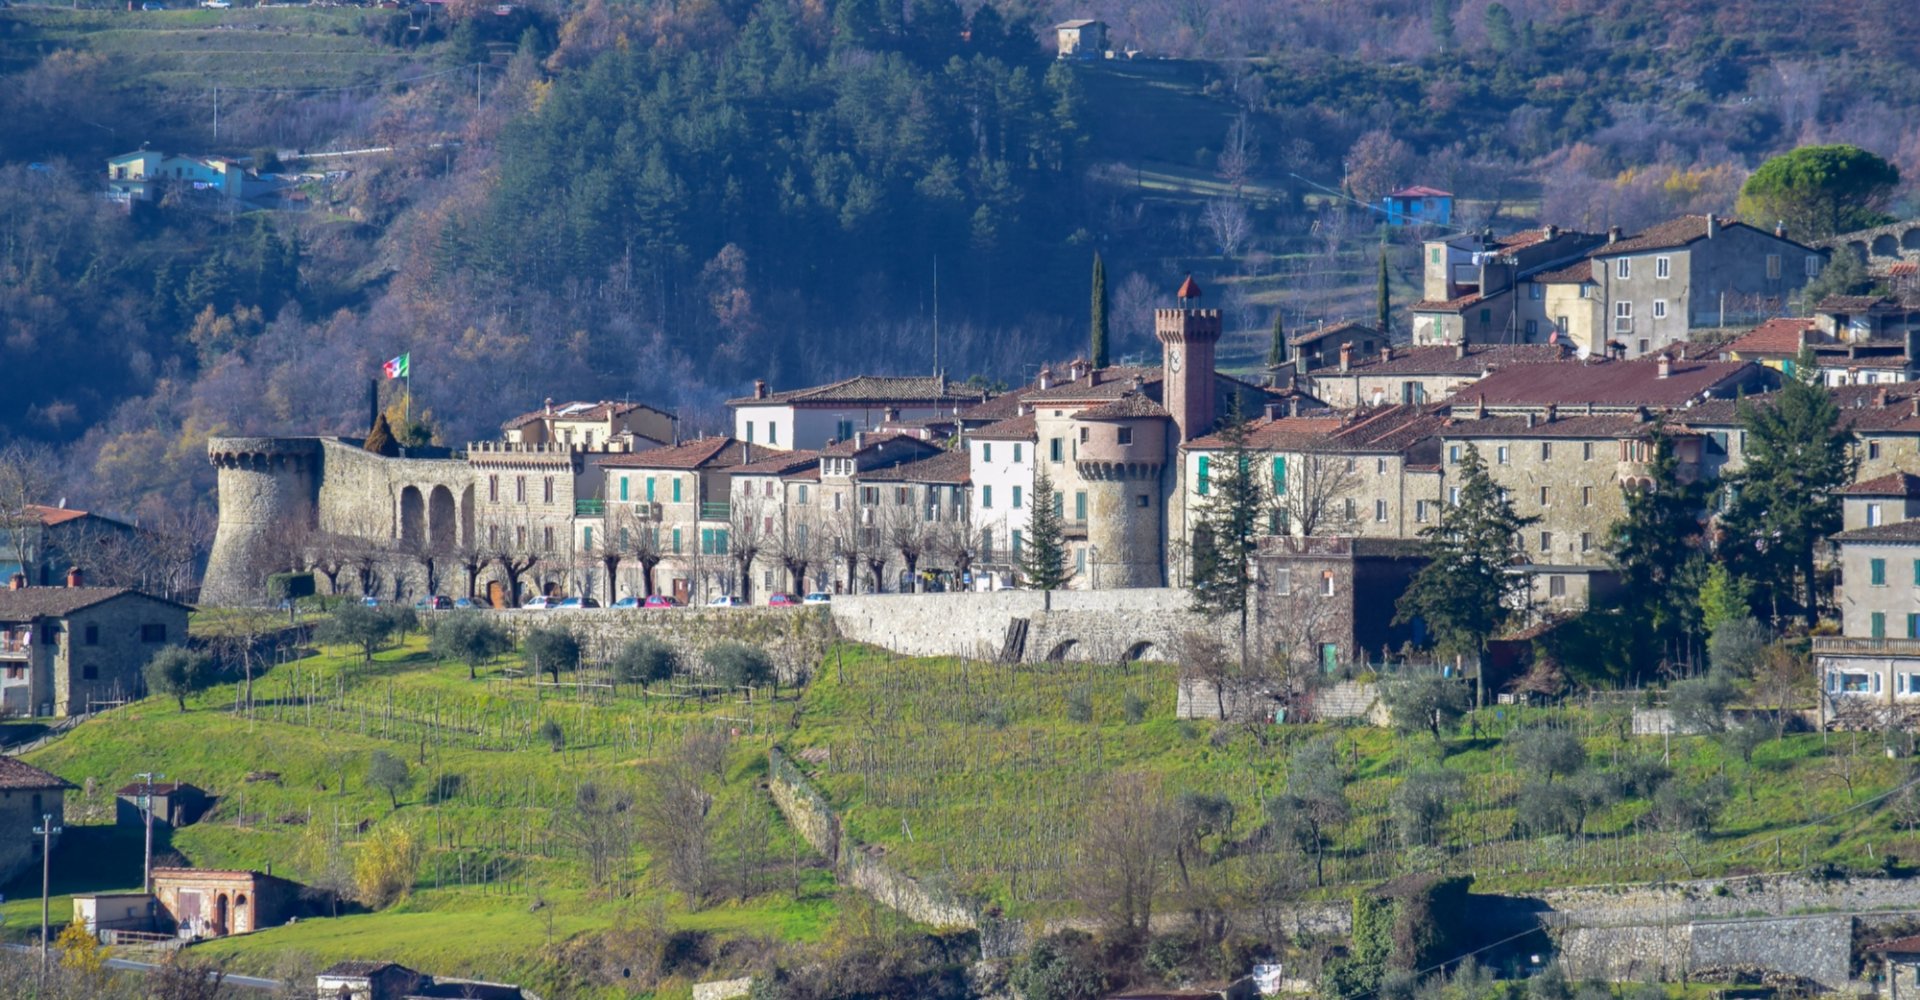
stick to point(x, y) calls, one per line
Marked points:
point(1121, 460)
point(267, 490)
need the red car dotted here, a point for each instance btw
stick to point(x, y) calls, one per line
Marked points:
point(660, 601)
point(783, 601)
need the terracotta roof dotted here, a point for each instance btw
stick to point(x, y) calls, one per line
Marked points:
point(1450, 305)
point(1851, 303)
point(1781, 335)
point(1902, 531)
point(1445, 359)
point(1909, 945)
point(1420, 191)
point(29, 603)
point(1598, 425)
point(1863, 408)
point(1301, 340)
point(1189, 289)
point(1282, 434)
point(50, 516)
point(701, 453)
point(577, 410)
point(1380, 430)
point(1893, 484)
point(1019, 428)
point(1609, 383)
point(1671, 234)
point(1000, 407)
point(1132, 406)
point(877, 390)
point(868, 442)
point(18, 774)
point(1114, 381)
point(1573, 274)
point(359, 969)
point(159, 788)
point(946, 467)
point(1903, 268)
point(779, 463)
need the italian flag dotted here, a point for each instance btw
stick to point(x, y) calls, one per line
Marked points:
point(397, 368)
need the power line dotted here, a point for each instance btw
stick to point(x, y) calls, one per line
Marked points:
point(346, 87)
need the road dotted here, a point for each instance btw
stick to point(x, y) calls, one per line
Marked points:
point(129, 965)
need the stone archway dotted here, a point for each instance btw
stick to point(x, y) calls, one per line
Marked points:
point(413, 516)
point(1138, 651)
point(1910, 240)
point(442, 520)
point(1062, 650)
point(242, 922)
point(220, 926)
point(1884, 245)
point(467, 538)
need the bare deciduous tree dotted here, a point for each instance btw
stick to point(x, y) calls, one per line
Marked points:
point(1126, 850)
point(1240, 154)
point(1228, 223)
point(675, 815)
point(600, 825)
point(1319, 489)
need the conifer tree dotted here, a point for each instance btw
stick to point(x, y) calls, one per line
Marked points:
point(1229, 521)
point(1043, 560)
point(1464, 593)
point(1386, 300)
point(1652, 546)
point(1097, 347)
point(1277, 346)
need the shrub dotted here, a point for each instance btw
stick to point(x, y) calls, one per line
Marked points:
point(176, 671)
point(645, 660)
point(552, 649)
point(385, 868)
point(1135, 708)
point(737, 664)
point(470, 637)
point(1063, 966)
point(1080, 704)
point(554, 736)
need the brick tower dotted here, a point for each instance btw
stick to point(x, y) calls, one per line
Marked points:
point(1187, 336)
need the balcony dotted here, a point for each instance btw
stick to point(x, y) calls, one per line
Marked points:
point(15, 643)
point(715, 510)
point(589, 508)
point(1842, 645)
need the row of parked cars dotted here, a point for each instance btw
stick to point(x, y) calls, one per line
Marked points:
point(543, 602)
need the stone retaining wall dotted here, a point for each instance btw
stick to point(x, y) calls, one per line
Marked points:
point(1818, 948)
point(796, 638)
point(1097, 625)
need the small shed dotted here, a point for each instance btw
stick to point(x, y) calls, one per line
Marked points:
point(359, 980)
point(208, 902)
point(1081, 39)
point(175, 803)
point(1900, 967)
point(114, 911)
point(1418, 206)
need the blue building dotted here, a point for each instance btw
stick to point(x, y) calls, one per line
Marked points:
point(1418, 206)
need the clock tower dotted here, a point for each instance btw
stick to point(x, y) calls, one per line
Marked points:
point(1187, 336)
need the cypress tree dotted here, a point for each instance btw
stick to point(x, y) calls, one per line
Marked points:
point(1386, 300)
point(1277, 347)
point(1229, 528)
point(1043, 562)
point(1097, 352)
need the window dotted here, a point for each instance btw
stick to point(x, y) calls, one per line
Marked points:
point(519, 489)
point(493, 488)
point(1546, 451)
point(1326, 583)
point(520, 538)
point(1205, 481)
point(546, 538)
point(1379, 466)
point(153, 633)
point(91, 672)
point(1142, 501)
point(1773, 267)
point(1124, 435)
point(1420, 511)
point(1380, 511)
point(773, 432)
point(91, 635)
point(1083, 434)
point(1849, 682)
point(676, 490)
point(1433, 256)
point(986, 544)
point(676, 541)
point(1280, 475)
point(1536, 292)
point(1533, 328)
point(986, 497)
point(1913, 631)
point(1486, 316)
point(1546, 496)
point(1586, 291)
point(1016, 451)
point(1586, 542)
point(986, 451)
point(1346, 508)
point(493, 536)
point(1586, 451)
point(1623, 268)
point(749, 432)
point(1453, 496)
point(1877, 572)
point(1546, 541)
point(1453, 454)
point(1283, 581)
point(1055, 449)
point(1623, 317)
point(1662, 267)
point(1643, 345)
point(1873, 450)
point(1916, 572)
point(1873, 515)
point(623, 487)
point(1556, 586)
point(902, 495)
point(801, 499)
point(1500, 454)
point(1908, 682)
point(768, 491)
point(1059, 504)
point(586, 538)
point(546, 490)
point(1079, 560)
point(1878, 623)
point(1016, 498)
point(1813, 266)
point(1659, 308)
point(1080, 505)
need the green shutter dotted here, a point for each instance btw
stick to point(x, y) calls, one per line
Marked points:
point(1913, 626)
point(1877, 568)
point(1879, 625)
point(650, 490)
point(586, 539)
point(1205, 486)
point(1080, 506)
point(676, 541)
point(676, 491)
point(1280, 474)
point(623, 487)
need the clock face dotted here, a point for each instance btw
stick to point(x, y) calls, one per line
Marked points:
point(1173, 358)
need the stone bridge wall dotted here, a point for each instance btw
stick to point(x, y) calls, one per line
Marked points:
point(1099, 625)
point(794, 637)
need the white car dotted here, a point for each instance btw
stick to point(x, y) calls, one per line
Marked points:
point(817, 597)
point(726, 601)
point(542, 603)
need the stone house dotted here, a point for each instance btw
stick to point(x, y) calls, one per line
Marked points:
point(1080, 39)
point(680, 496)
point(920, 509)
point(45, 542)
point(357, 980)
point(1888, 499)
point(174, 803)
point(1874, 664)
point(1607, 385)
point(854, 511)
point(1648, 291)
point(67, 650)
point(1002, 456)
point(775, 498)
point(1843, 360)
point(1481, 288)
point(1329, 601)
point(208, 902)
point(1322, 347)
point(27, 796)
point(1415, 375)
point(1899, 967)
point(526, 503)
point(817, 416)
point(594, 426)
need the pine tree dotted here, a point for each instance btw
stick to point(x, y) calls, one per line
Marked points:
point(1652, 546)
point(1098, 340)
point(1386, 300)
point(1229, 527)
point(1442, 22)
point(1464, 593)
point(1043, 560)
point(1277, 347)
point(1786, 501)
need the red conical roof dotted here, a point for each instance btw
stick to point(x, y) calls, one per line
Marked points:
point(1189, 289)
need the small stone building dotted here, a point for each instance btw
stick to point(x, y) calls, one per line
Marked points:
point(114, 911)
point(1081, 39)
point(28, 796)
point(357, 980)
point(1899, 967)
point(67, 650)
point(207, 902)
point(175, 803)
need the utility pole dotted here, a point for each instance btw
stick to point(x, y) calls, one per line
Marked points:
point(146, 805)
point(216, 114)
point(46, 831)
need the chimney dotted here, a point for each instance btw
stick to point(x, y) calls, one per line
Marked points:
point(859, 440)
point(1713, 225)
point(1274, 409)
point(1780, 230)
point(1529, 420)
point(549, 406)
point(1137, 383)
point(1880, 398)
point(1460, 350)
point(1046, 378)
point(759, 388)
point(1613, 235)
point(1553, 412)
point(1346, 355)
point(1664, 367)
point(1093, 376)
point(1552, 231)
point(17, 581)
point(77, 578)
point(891, 414)
point(1076, 369)
point(1386, 353)
point(1480, 407)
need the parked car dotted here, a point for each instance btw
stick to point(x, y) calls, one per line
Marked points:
point(541, 603)
point(468, 602)
point(782, 601)
point(818, 597)
point(433, 603)
point(372, 602)
point(153, 5)
point(662, 601)
point(726, 601)
point(628, 601)
point(579, 602)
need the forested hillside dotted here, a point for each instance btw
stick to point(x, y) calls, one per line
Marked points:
point(666, 201)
